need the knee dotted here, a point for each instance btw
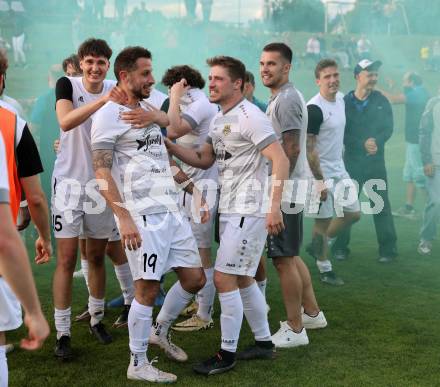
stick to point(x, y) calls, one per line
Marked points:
point(355, 217)
point(197, 282)
point(95, 257)
point(66, 262)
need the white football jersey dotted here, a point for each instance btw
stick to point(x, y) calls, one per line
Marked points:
point(74, 158)
point(4, 182)
point(238, 137)
point(198, 112)
point(141, 166)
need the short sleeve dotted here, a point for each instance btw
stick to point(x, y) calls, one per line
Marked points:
point(4, 183)
point(289, 113)
point(196, 112)
point(104, 135)
point(64, 89)
point(258, 129)
point(28, 158)
point(315, 119)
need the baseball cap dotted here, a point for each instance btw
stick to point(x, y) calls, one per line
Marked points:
point(366, 64)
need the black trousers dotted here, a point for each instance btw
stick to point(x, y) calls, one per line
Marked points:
point(383, 221)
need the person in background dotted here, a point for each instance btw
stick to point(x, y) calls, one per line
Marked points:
point(430, 151)
point(249, 89)
point(414, 96)
point(369, 125)
point(71, 66)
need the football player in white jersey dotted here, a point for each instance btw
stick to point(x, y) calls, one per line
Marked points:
point(288, 113)
point(16, 275)
point(241, 139)
point(76, 201)
point(190, 114)
point(136, 180)
point(325, 142)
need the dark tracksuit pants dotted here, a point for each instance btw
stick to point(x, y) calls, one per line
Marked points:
point(383, 221)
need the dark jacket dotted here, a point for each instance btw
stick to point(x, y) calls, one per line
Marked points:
point(365, 119)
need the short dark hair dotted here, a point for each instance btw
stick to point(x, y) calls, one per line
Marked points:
point(236, 69)
point(323, 64)
point(282, 48)
point(415, 78)
point(191, 75)
point(73, 60)
point(94, 47)
point(250, 78)
point(126, 59)
point(3, 62)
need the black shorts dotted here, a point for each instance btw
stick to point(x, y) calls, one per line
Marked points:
point(288, 242)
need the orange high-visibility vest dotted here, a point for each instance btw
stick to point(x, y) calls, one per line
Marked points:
point(8, 124)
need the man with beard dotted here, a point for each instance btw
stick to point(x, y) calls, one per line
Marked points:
point(288, 113)
point(369, 125)
point(136, 180)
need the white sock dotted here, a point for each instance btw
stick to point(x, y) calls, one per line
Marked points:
point(206, 295)
point(140, 318)
point(262, 286)
point(123, 274)
point(254, 308)
point(85, 270)
point(96, 310)
point(324, 266)
point(62, 322)
point(176, 299)
point(230, 319)
point(3, 367)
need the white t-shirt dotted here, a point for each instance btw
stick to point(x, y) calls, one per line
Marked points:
point(156, 98)
point(74, 158)
point(8, 106)
point(330, 133)
point(238, 137)
point(141, 167)
point(4, 182)
point(198, 112)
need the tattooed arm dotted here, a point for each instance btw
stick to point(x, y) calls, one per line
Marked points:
point(313, 157)
point(102, 164)
point(202, 158)
point(291, 147)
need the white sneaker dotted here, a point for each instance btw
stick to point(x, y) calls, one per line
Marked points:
point(287, 338)
point(194, 323)
point(316, 322)
point(164, 342)
point(149, 373)
point(78, 274)
point(424, 247)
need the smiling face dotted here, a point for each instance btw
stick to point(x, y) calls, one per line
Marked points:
point(94, 68)
point(328, 82)
point(221, 86)
point(139, 81)
point(274, 69)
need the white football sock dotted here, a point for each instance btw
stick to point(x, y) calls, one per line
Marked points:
point(176, 299)
point(140, 319)
point(123, 274)
point(3, 367)
point(231, 318)
point(85, 270)
point(254, 308)
point(96, 310)
point(206, 295)
point(262, 287)
point(324, 266)
point(62, 322)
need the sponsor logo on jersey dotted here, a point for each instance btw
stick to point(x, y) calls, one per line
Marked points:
point(80, 98)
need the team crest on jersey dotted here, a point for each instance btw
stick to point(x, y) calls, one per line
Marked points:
point(80, 98)
point(227, 129)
